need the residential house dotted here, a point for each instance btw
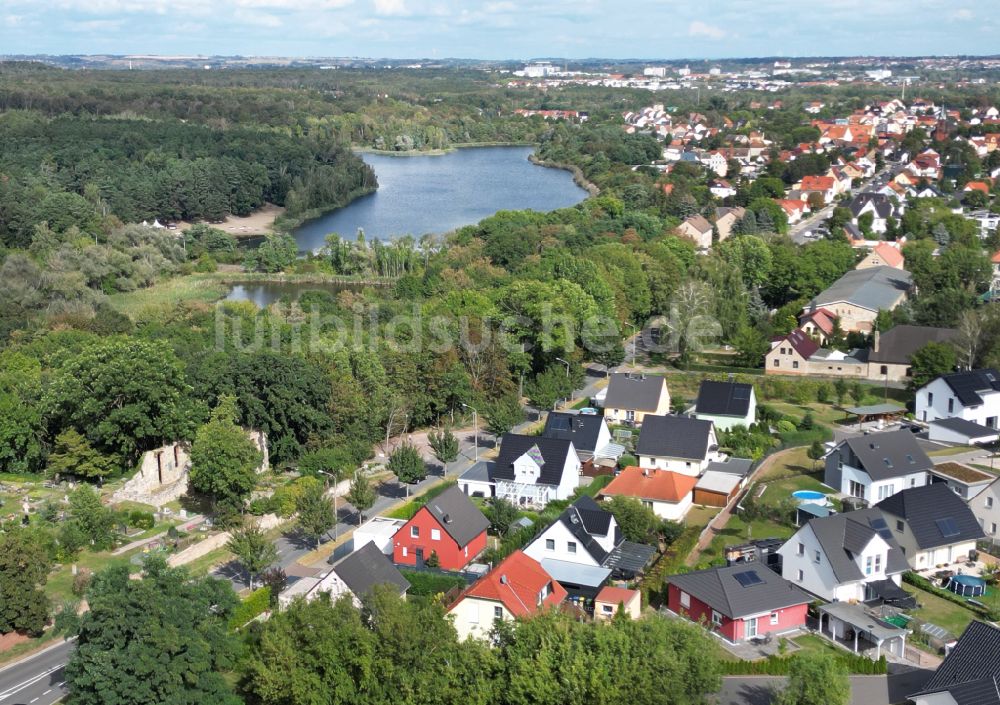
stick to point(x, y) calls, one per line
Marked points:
point(889, 357)
point(879, 205)
point(738, 602)
point(961, 432)
point(964, 481)
point(877, 465)
point(819, 324)
point(517, 588)
point(354, 575)
point(973, 395)
point(795, 209)
point(790, 353)
point(720, 188)
point(534, 470)
point(932, 524)
point(589, 434)
point(986, 508)
point(449, 526)
point(379, 531)
point(726, 219)
point(668, 494)
point(823, 185)
point(630, 397)
point(970, 673)
point(677, 443)
point(611, 599)
point(726, 404)
point(850, 557)
point(858, 296)
point(698, 229)
point(584, 547)
point(884, 254)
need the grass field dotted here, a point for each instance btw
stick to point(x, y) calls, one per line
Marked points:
point(165, 295)
point(943, 613)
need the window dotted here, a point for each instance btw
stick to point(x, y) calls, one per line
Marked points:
point(802, 549)
point(884, 370)
point(466, 551)
point(795, 364)
point(899, 525)
point(951, 404)
point(716, 618)
point(685, 599)
point(774, 618)
point(801, 576)
point(543, 593)
point(498, 612)
point(404, 551)
point(878, 563)
point(816, 557)
point(630, 415)
point(415, 532)
point(993, 528)
point(571, 546)
point(777, 363)
point(913, 482)
point(435, 534)
point(550, 544)
point(868, 565)
point(930, 400)
point(989, 503)
point(607, 609)
point(991, 421)
point(751, 630)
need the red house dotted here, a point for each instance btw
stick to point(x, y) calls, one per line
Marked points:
point(740, 602)
point(449, 525)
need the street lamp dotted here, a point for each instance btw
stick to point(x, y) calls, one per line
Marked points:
point(635, 335)
point(336, 517)
point(565, 363)
point(475, 426)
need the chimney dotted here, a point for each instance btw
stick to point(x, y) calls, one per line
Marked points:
point(503, 579)
point(875, 340)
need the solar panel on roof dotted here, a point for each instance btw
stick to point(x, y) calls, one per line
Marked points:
point(560, 423)
point(878, 523)
point(748, 578)
point(741, 393)
point(947, 527)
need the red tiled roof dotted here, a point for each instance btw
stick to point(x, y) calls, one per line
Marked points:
point(822, 317)
point(817, 183)
point(614, 595)
point(978, 186)
point(889, 254)
point(996, 258)
point(661, 485)
point(516, 583)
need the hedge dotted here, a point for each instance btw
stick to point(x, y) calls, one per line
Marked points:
point(779, 665)
point(256, 604)
point(424, 583)
point(915, 580)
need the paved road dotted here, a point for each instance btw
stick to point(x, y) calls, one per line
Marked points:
point(37, 680)
point(865, 690)
point(798, 231)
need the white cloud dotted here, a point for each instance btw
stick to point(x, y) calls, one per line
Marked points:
point(962, 13)
point(390, 7)
point(703, 29)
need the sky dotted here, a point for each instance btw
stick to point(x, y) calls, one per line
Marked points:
point(499, 29)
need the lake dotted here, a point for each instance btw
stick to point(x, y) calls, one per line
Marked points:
point(266, 293)
point(436, 194)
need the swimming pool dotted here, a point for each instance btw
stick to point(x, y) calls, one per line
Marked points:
point(967, 585)
point(808, 495)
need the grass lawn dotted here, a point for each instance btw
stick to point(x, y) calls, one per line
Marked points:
point(943, 452)
point(60, 584)
point(824, 413)
point(165, 295)
point(700, 516)
point(941, 612)
point(738, 531)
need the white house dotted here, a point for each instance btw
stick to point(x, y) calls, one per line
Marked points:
point(726, 404)
point(985, 507)
point(932, 525)
point(877, 465)
point(669, 494)
point(845, 557)
point(630, 397)
point(354, 575)
point(678, 443)
point(973, 395)
point(534, 470)
point(584, 534)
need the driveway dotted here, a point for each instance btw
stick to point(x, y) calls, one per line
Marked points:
point(865, 690)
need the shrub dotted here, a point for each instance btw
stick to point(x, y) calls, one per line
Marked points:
point(141, 520)
point(256, 604)
point(81, 581)
point(426, 584)
point(779, 665)
point(627, 461)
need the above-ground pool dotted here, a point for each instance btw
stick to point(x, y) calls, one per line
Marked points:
point(809, 495)
point(967, 585)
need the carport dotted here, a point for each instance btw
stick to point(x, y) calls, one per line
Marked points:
point(876, 412)
point(853, 626)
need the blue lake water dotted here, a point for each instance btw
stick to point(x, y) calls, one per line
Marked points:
point(436, 194)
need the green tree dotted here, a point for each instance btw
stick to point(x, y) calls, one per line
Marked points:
point(840, 390)
point(24, 569)
point(857, 392)
point(73, 455)
point(315, 512)
point(816, 678)
point(637, 522)
point(931, 361)
point(406, 464)
point(751, 345)
point(253, 549)
point(361, 495)
point(96, 520)
point(502, 514)
point(21, 435)
point(816, 452)
point(445, 446)
point(161, 639)
point(502, 414)
point(224, 460)
point(275, 254)
point(546, 388)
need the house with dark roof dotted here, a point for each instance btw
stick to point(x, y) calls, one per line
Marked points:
point(973, 395)
point(517, 588)
point(449, 526)
point(534, 470)
point(932, 524)
point(889, 357)
point(589, 434)
point(726, 404)
point(877, 465)
point(584, 547)
point(630, 397)
point(985, 505)
point(970, 673)
point(877, 204)
point(961, 432)
point(677, 443)
point(738, 602)
point(850, 557)
point(669, 494)
point(354, 575)
point(789, 354)
point(858, 296)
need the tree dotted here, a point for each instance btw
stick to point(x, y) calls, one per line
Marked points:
point(224, 460)
point(502, 414)
point(969, 339)
point(751, 346)
point(548, 387)
point(406, 464)
point(857, 392)
point(840, 389)
point(73, 455)
point(273, 255)
point(931, 361)
point(445, 446)
point(816, 678)
point(253, 549)
point(162, 639)
point(502, 514)
point(637, 522)
point(361, 495)
point(609, 355)
point(315, 511)
point(24, 568)
point(96, 520)
point(816, 451)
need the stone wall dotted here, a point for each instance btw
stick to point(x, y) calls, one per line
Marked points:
point(210, 543)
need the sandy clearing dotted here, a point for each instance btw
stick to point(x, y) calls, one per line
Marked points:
point(257, 223)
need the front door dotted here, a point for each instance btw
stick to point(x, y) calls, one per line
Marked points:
point(420, 556)
point(751, 628)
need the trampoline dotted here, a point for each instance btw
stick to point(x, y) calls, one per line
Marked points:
point(966, 585)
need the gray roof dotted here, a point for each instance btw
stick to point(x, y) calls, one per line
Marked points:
point(479, 472)
point(970, 384)
point(554, 452)
point(883, 206)
point(457, 515)
point(585, 519)
point(872, 288)
point(639, 392)
point(889, 454)
point(972, 670)
point(734, 466)
point(842, 535)
point(674, 437)
point(964, 426)
point(582, 429)
point(898, 343)
point(368, 567)
point(723, 398)
point(935, 514)
point(720, 589)
point(860, 619)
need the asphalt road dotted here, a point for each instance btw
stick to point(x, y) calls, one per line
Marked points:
point(798, 231)
point(865, 690)
point(38, 679)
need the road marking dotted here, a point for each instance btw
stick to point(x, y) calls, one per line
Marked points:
point(47, 691)
point(28, 683)
point(33, 700)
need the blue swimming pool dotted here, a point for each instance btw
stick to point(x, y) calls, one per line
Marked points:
point(967, 585)
point(808, 495)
